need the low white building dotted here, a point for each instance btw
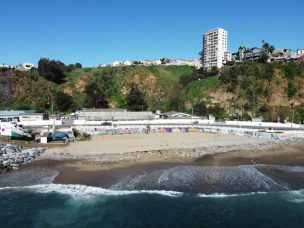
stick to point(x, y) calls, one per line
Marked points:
point(112, 115)
point(300, 53)
point(20, 116)
point(23, 66)
point(146, 62)
point(26, 66)
point(128, 63)
point(7, 66)
point(175, 115)
point(157, 62)
point(116, 63)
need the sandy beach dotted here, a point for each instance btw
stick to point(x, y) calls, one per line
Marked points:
point(154, 147)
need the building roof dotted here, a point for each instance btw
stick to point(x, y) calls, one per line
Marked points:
point(102, 110)
point(17, 112)
point(118, 115)
point(11, 113)
point(174, 114)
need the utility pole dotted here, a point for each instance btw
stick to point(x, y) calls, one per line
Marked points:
point(292, 106)
point(52, 107)
point(191, 114)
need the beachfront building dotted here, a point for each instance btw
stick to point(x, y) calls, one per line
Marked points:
point(215, 48)
point(20, 116)
point(112, 115)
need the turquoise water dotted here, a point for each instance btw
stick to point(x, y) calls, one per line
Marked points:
point(81, 206)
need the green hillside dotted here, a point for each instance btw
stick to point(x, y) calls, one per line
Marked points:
point(239, 91)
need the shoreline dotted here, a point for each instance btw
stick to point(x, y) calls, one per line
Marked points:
point(92, 163)
point(106, 174)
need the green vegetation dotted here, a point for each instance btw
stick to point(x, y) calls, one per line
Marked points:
point(95, 97)
point(136, 100)
point(236, 91)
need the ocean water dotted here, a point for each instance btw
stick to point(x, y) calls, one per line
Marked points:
point(178, 196)
point(81, 206)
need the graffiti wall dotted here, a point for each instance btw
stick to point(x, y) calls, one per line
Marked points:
point(211, 130)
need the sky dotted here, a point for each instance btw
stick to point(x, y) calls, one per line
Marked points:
point(94, 32)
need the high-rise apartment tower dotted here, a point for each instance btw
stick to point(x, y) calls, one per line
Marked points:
point(215, 48)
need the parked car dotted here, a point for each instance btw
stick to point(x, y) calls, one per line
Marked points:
point(58, 137)
point(106, 124)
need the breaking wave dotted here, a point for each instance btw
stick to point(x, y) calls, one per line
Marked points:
point(83, 190)
point(210, 180)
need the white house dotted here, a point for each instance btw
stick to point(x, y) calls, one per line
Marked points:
point(116, 63)
point(128, 63)
point(26, 66)
point(300, 53)
point(157, 62)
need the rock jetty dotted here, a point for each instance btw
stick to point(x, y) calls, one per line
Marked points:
point(12, 156)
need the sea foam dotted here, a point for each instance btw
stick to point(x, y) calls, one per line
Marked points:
point(83, 190)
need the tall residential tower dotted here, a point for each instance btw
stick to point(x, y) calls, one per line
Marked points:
point(215, 48)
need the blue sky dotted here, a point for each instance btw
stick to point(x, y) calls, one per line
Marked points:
point(100, 31)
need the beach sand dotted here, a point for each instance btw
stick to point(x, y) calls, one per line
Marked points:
point(102, 148)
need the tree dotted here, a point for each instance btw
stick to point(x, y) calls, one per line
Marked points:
point(78, 66)
point(164, 61)
point(135, 99)
point(176, 100)
point(72, 67)
point(290, 70)
point(200, 109)
point(263, 57)
point(63, 101)
point(51, 70)
point(291, 90)
point(95, 97)
point(267, 50)
point(214, 71)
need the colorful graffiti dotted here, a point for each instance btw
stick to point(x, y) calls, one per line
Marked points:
point(210, 130)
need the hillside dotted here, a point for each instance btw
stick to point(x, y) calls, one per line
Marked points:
point(239, 91)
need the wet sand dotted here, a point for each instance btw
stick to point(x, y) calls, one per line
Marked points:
point(282, 154)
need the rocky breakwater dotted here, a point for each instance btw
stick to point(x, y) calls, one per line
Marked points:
point(12, 156)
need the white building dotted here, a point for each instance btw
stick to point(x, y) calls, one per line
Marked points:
point(300, 53)
point(26, 66)
point(20, 116)
point(215, 48)
point(128, 63)
point(116, 63)
point(112, 115)
point(157, 62)
point(23, 67)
